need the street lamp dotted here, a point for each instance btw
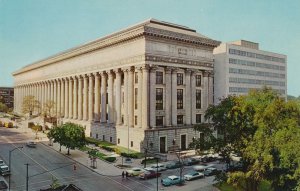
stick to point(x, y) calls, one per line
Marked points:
point(10, 164)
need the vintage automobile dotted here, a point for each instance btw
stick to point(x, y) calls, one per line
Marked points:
point(192, 175)
point(159, 167)
point(135, 171)
point(210, 171)
point(173, 165)
point(4, 170)
point(149, 174)
point(31, 144)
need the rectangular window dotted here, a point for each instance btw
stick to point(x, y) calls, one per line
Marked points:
point(198, 118)
point(180, 79)
point(135, 120)
point(135, 98)
point(103, 137)
point(110, 139)
point(159, 121)
point(159, 78)
point(122, 97)
point(198, 80)
point(198, 99)
point(179, 119)
point(136, 78)
point(159, 99)
point(118, 140)
point(131, 144)
point(180, 99)
point(122, 118)
point(96, 135)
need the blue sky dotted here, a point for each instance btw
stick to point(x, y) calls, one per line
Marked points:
point(34, 29)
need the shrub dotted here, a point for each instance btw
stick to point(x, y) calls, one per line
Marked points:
point(110, 159)
point(107, 148)
point(130, 155)
point(117, 151)
point(1, 124)
point(10, 125)
point(30, 125)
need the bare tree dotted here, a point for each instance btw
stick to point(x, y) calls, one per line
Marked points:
point(30, 105)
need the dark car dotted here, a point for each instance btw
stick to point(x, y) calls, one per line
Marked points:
point(210, 171)
point(149, 174)
point(174, 164)
point(190, 161)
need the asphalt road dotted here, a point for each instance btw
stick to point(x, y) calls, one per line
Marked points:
point(42, 159)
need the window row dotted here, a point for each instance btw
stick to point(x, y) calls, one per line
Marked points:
point(256, 64)
point(256, 73)
point(180, 120)
point(159, 99)
point(254, 55)
point(160, 78)
point(246, 90)
point(255, 81)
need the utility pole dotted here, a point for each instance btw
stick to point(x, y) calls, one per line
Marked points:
point(27, 177)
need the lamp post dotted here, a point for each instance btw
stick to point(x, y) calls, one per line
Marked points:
point(10, 164)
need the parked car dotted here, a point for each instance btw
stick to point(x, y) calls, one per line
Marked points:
point(190, 161)
point(192, 175)
point(173, 164)
point(135, 171)
point(200, 168)
point(149, 174)
point(210, 171)
point(149, 168)
point(159, 167)
point(3, 185)
point(128, 160)
point(2, 162)
point(31, 144)
point(4, 170)
point(171, 180)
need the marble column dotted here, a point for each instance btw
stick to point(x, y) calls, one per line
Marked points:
point(174, 97)
point(210, 88)
point(193, 97)
point(75, 98)
point(205, 90)
point(49, 91)
point(125, 90)
point(118, 97)
point(145, 94)
point(59, 114)
point(91, 97)
point(130, 97)
point(85, 98)
point(97, 98)
point(139, 97)
point(103, 97)
point(67, 97)
point(110, 81)
point(80, 93)
point(70, 97)
point(168, 96)
point(62, 97)
point(52, 91)
point(188, 110)
point(152, 97)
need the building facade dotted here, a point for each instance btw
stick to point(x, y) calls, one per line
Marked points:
point(142, 87)
point(7, 94)
point(241, 66)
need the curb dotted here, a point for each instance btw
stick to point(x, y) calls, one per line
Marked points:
point(91, 169)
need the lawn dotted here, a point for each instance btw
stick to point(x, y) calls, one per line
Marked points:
point(264, 186)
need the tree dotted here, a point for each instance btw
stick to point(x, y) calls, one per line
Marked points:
point(3, 108)
point(30, 104)
point(57, 135)
point(264, 130)
point(49, 109)
point(73, 136)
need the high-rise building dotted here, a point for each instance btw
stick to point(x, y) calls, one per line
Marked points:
point(7, 94)
point(241, 66)
point(143, 87)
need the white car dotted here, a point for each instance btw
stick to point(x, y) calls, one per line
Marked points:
point(200, 168)
point(149, 169)
point(31, 144)
point(2, 163)
point(135, 171)
point(193, 175)
point(159, 167)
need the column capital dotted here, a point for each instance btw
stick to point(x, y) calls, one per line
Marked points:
point(168, 70)
point(205, 73)
point(90, 75)
point(117, 70)
point(188, 71)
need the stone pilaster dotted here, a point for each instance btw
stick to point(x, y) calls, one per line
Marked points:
point(130, 97)
point(70, 97)
point(91, 97)
point(97, 98)
point(188, 110)
point(211, 88)
point(80, 93)
point(75, 98)
point(152, 96)
point(145, 93)
point(103, 97)
point(66, 97)
point(110, 91)
point(174, 97)
point(168, 96)
point(85, 98)
point(125, 89)
point(62, 97)
point(118, 116)
point(139, 97)
point(205, 90)
point(58, 98)
point(193, 97)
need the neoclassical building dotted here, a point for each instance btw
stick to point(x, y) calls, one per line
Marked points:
point(142, 87)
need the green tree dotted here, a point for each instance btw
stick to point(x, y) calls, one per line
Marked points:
point(73, 136)
point(57, 135)
point(3, 108)
point(30, 105)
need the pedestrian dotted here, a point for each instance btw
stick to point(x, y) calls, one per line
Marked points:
point(126, 175)
point(123, 174)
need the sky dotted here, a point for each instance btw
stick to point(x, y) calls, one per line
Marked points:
point(31, 30)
